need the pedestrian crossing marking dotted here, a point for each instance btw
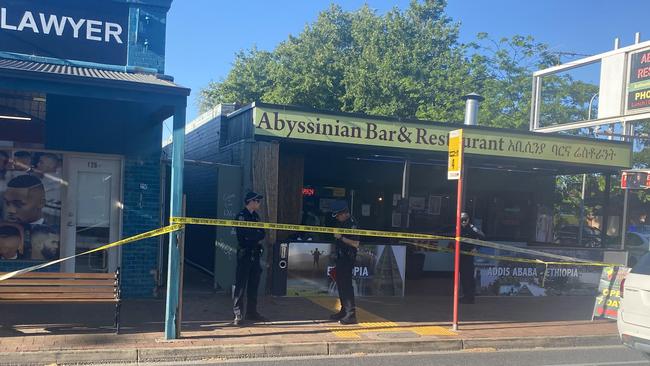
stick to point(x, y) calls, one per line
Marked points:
point(373, 323)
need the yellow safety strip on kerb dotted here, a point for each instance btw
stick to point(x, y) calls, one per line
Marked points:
point(373, 323)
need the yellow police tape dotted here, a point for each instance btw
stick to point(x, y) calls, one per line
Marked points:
point(303, 228)
point(507, 258)
point(398, 235)
point(146, 235)
point(178, 223)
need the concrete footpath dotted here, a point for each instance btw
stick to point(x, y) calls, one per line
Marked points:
point(68, 334)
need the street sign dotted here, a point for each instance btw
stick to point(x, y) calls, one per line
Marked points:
point(455, 154)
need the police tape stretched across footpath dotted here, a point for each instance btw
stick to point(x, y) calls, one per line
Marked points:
point(178, 223)
point(146, 235)
point(565, 260)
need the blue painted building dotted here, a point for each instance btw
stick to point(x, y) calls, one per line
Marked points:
point(83, 95)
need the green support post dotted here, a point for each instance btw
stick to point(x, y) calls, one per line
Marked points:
point(172, 331)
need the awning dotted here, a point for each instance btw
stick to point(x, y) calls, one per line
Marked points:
point(19, 73)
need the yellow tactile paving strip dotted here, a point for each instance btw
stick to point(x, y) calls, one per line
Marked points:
point(372, 323)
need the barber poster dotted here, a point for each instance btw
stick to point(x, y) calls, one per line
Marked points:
point(30, 210)
point(379, 270)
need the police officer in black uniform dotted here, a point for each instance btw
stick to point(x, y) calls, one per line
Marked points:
point(468, 230)
point(249, 269)
point(346, 255)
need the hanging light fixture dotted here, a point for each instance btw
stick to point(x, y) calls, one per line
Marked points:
point(15, 118)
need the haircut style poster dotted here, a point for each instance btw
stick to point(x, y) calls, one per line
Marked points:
point(379, 270)
point(30, 209)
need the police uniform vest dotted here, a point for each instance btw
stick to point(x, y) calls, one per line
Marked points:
point(249, 238)
point(344, 251)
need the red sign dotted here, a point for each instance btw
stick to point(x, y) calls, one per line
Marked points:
point(308, 192)
point(635, 180)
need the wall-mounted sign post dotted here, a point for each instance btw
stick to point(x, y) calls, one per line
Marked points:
point(455, 171)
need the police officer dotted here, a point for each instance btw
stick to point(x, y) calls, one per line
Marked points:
point(346, 255)
point(468, 230)
point(249, 269)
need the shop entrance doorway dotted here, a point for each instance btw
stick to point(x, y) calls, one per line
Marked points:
point(91, 213)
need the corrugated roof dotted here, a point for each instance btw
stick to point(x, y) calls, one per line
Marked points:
point(84, 72)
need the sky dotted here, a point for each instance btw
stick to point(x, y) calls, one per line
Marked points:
point(204, 35)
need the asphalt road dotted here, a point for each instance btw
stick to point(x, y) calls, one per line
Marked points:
point(592, 356)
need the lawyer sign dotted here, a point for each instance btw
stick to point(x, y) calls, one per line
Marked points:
point(66, 29)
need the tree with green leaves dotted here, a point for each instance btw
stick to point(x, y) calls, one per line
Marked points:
point(407, 64)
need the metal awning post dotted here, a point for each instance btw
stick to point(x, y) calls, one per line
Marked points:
point(172, 331)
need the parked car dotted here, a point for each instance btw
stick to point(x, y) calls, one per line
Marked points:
point(568, 235)
point(637, 244)
point(634, 312)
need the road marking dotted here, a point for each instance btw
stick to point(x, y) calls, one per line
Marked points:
point(479, 350)
point(600, 363)
point(373, 323)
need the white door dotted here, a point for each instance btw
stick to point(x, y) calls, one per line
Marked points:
point(91, 213)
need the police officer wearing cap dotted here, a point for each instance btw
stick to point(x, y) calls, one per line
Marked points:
point(468, 230)
point(346, 255)
point(249, 270)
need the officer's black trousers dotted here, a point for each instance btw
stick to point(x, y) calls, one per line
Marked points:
point(247, 278)
point(344, 268)
point(467, 276)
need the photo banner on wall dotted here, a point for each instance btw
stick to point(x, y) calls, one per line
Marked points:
point(30, 213)
point(378, 271)
point(496, 277)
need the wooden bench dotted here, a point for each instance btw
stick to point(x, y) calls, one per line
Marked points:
point(49, 288)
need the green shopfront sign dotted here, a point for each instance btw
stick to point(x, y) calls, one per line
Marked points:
point(300, 125)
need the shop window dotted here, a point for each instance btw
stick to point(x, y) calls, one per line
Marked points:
point(22, 118)
point(32, 104)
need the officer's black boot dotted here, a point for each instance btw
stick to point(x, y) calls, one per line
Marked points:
point(256, 317)
point(238, 320)
point(349, 318)
point(338, 316)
